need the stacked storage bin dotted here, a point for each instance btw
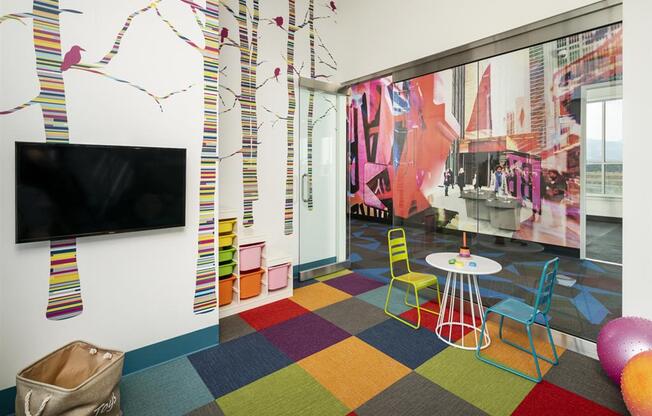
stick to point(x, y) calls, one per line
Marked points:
point(227, 263)
point(251, 270)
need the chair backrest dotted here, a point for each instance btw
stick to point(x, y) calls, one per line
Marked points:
point(546, 286)
point(397, 248)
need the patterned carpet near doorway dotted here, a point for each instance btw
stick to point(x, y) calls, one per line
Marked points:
point(580, 310)
point(331, 350)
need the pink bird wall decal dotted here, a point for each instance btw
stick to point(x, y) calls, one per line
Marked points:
point(72, 57)
point(279, 21)
point(277, 72)
point(224, 33)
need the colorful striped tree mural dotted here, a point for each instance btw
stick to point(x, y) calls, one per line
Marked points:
point(205, 299)
point(292, 73)
point(248, 47)
point(64, 300)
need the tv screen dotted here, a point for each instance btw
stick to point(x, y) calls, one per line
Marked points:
point(72, 190)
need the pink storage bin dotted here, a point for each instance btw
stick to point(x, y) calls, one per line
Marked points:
point(277, 276)
point(250, 256)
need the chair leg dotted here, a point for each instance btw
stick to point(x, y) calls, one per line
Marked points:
point(518, 347)
point(417, 303)
point(479, 346)
point(502, 366)
point(438, 293)
point(398, 318)
point(407, 293)
point(534, 354)
point(552, 343)
point(416, 300)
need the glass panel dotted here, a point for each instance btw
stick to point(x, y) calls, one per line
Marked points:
point(319, 185)
point(372, 155)
point(491, 148)
point(614, 131)
point(594, 131)
point(594, 182)
point(613, 179)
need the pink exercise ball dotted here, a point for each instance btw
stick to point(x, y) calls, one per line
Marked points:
point(620, 340)
point(636, 384)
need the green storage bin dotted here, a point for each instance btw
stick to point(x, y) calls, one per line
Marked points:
point(226, 254)
point(227, 268)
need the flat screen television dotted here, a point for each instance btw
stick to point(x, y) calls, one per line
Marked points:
point(73, 190)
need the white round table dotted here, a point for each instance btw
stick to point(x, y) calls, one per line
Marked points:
point(457, 273)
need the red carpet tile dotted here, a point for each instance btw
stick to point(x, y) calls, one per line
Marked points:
point(429, 320)
point(272, 314)
point(549, 399)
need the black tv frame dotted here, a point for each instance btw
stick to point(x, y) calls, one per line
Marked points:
point(117, 231)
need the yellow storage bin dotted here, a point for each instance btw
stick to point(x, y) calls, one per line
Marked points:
point(226, 226)
point(226, 240)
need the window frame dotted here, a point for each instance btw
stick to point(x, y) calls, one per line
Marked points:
point(603, 162)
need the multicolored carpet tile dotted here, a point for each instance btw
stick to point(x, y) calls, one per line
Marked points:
point(327, 351)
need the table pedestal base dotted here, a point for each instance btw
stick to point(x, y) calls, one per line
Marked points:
point(449, 321)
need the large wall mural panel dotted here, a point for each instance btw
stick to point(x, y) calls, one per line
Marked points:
point(508, 127)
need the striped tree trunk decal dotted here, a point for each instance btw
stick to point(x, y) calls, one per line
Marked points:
point(205, 297)
point(64, 294)
point(289, 178)
point(247, 98)
point(311, 99)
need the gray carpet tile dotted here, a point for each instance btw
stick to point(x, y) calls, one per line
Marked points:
point(233, 327)
point(353, 315)
point(584, 376)
point(172, 388)
point(210, 409)
point(418, 396)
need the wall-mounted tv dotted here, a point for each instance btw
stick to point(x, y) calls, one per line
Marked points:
point(73, 190)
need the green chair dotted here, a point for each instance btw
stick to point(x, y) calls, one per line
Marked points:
point(526, 315)
point(398, 253)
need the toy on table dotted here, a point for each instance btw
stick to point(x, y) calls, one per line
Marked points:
point(464, 250)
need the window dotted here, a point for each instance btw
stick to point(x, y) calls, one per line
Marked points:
point(604, 147)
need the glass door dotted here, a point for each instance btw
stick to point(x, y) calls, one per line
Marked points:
point(322, 183)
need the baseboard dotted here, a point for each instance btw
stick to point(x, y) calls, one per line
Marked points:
point(163, 351)
point(311, 265)
point(7, 400)
point(145, 357)
point(600, 218)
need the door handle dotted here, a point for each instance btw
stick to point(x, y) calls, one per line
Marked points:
point(303, 188)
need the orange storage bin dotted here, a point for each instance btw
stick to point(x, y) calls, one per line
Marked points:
point(250, 283)
point(226, 290)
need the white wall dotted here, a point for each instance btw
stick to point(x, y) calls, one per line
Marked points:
point(385, 33)
point(137, 288)
point(604, 206)
point(637, 109)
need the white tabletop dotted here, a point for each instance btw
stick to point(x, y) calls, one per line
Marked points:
point(483, 265)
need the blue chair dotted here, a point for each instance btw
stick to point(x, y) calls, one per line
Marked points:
point(526, 314)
